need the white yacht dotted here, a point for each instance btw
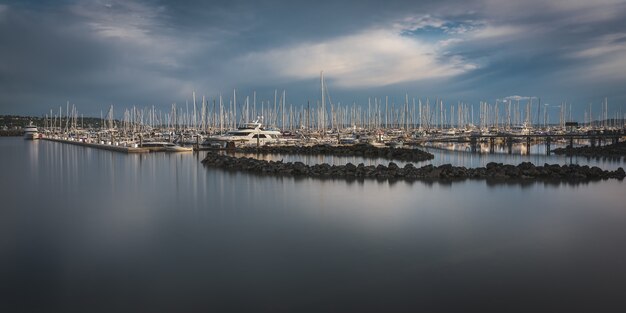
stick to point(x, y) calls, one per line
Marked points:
point(170, 147)
point(249, 134)
point(30, 132)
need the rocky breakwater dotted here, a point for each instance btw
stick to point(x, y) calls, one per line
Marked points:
point(362, 150)
point(493, 171)
point(612, 150)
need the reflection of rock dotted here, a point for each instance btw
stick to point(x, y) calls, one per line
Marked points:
point(493, 171)
point(362, 150)
point(612, 150)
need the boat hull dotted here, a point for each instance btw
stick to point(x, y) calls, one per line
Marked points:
point(31, 136)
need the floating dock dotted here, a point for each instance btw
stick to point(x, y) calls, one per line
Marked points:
point(115, 148)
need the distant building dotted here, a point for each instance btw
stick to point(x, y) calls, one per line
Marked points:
point(569, 126)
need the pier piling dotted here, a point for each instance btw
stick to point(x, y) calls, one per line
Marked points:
point(509, 143)
point(473, 143)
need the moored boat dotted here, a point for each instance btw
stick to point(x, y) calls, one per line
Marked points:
point(31, 132)
point(165, 146)
point(248, 134)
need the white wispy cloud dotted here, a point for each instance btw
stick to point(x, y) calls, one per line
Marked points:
point(499, 32)
point(602, 58)
point(603, 46)
point(519, 98)
point(371, 58)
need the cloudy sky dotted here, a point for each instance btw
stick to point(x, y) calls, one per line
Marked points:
point(144, 53)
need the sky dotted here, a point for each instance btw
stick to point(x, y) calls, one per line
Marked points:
point(155, 53)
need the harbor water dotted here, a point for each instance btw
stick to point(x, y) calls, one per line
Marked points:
point(87, 230)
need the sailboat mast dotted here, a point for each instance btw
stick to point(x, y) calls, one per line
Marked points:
point(323, 102)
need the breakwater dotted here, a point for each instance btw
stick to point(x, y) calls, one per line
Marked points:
point(361, 150)
point(612, 150)
point(493, 171)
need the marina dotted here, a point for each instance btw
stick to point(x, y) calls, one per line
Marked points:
point(222, 127)
point(381, 208)
point(312, 156)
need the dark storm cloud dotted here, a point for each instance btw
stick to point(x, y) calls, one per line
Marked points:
point(96, 53)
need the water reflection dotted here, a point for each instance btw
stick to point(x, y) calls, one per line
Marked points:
point(159, 231)
point(451, 153)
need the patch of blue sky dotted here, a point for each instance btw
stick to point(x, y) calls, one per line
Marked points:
point(439, 32)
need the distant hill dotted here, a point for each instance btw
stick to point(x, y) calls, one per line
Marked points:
point(14, 122)
point(618, 122)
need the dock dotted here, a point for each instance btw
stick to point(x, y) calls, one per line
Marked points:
point(116, 148)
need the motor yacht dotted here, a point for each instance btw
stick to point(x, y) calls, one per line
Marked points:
point(249, 134)
point(31, 132)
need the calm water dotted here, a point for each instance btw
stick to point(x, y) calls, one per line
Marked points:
point(96, 231)
point(458, 155)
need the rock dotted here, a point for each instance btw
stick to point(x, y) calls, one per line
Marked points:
point(492, 165)
point(434, 173)
point(498, 171)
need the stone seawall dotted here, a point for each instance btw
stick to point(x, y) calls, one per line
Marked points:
point(493, 171)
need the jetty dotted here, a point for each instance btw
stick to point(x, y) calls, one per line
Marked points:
point(525, 171)
point(103, 146)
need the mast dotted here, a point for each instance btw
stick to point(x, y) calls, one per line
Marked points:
point(273, 121)
point(194, 110)
point(323, 102)
point(283, 111)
